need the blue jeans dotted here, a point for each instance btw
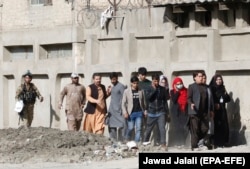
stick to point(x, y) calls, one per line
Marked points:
point(134, 120)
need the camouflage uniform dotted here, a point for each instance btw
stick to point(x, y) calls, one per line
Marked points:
point(27, 92)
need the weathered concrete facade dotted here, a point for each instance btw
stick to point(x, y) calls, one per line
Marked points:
point(55, 39)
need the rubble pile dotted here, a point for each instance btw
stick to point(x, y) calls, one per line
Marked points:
point(40, 144)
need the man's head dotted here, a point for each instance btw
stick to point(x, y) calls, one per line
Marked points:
point(155, 79)
point(27, 76)
point(204, 78)
point(142, 73)
point(134, 82)
point(97, 79)
point(75, 78)
point(114, 78)
point(198, 76)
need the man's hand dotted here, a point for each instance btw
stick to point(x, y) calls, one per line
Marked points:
point(60, 106)
point(153, 85)
point(109, 89)
point(82, 105)
point(125, 115)
point(212, 114)
point(41, 99)
point(98, 102)
point(217, 106)
point(192, 106)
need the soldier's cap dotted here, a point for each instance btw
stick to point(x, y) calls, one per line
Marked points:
point(74, 75)
point(27, 73)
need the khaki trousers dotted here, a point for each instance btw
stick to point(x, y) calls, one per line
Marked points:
point(74, 125)
point(27, 114)
point(94, 123)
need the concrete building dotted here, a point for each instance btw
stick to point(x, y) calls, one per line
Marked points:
point(53, 38)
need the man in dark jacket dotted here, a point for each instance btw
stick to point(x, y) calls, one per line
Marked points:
point(144, 84)
point(199, 107)
point(157, 97)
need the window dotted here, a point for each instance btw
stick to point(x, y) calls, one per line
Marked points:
point(18, 53)
point(246, 14)
point(227, 14)
point(41, 2)
point(181, 16)
point(204, 18)
point(228, 17)
point(56, 51)
point(182, 20)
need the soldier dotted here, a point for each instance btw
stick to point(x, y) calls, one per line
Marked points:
point(75, 100)
point(27, 92)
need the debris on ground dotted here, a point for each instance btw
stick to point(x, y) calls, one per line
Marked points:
point(41, 144)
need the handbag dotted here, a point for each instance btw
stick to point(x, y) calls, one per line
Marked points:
point(19, 106)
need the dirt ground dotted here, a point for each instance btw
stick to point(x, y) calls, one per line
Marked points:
point(52, 145)
point(40, 145)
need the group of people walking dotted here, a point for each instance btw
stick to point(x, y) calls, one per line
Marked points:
point(140, 111)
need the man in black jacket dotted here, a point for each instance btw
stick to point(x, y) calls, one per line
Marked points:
point(157, 97)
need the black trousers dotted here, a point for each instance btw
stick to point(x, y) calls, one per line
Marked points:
point(198, 125)
point(151, 123)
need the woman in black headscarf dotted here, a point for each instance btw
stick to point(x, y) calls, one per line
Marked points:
point(221, 97)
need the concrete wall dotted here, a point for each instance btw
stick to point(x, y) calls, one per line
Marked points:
point(141, 38)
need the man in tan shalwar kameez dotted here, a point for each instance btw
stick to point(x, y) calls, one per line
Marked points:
point(75, 100)
point(96, 108)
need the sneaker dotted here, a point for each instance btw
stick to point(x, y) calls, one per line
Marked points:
point(132, 145)
point(146, 143)
point(195, 149)
point(201, 143)
point(180, 147)
point(202, 148)
point(163, 147)
point(157, 144)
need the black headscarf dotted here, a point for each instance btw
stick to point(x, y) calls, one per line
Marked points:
point(217, 90)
